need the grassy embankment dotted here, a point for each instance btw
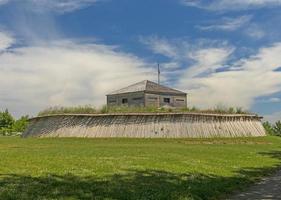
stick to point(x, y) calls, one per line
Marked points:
point(135, 109)
point(77, 168)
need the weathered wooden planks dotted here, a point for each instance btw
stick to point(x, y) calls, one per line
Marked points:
point(146, 125)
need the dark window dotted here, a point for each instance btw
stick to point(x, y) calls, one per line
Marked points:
point(167, 100)
point(179, 99)
point(124, 101)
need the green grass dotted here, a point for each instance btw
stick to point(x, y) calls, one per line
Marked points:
point(136, 109)
point(77, 168)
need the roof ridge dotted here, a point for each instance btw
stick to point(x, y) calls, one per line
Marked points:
point(163, 87)
point(148, 86)
point(146, 81)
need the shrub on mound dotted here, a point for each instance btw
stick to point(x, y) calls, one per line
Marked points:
point(125, 109)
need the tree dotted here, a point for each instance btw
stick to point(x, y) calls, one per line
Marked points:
point(6, 122)
point(268, 128)
point(20, 125)
point(6, 119)
point(277, 128)
point(10, 126)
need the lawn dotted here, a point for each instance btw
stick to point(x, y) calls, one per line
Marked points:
point(76, 168)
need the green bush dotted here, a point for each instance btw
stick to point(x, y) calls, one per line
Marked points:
point(135, 109)
point(63, 110)
point(6, 120)
point(10, 126)
point(268, 128)
point(277, 128)
point(273, 129)
point(228, 110)
point(20, 125)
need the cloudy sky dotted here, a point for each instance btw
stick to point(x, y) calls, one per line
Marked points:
point(73, 52)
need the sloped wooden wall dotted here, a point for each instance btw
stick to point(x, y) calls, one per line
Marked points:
point(147, 125)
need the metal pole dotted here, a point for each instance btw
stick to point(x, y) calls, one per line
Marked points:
point(158, 74)
point(158, 85)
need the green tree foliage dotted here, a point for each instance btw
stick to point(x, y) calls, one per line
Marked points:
point(268, 128)
point(10, 126)
point(273, 129)
point(277, 128)
point(6, 119)
point(20, 125)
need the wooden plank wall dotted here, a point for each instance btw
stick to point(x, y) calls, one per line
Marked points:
point(146, 126)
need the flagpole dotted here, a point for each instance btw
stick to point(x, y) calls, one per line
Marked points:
point(158, 74)
point(158, 85)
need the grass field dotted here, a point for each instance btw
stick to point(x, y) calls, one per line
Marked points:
point(133, 168)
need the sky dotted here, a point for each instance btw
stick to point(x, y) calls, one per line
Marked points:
point(74, 52)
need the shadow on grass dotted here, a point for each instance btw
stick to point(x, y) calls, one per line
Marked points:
point(148, 184)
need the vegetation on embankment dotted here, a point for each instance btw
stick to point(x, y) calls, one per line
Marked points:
point(273, 129)
point(77, 168)
point(11, 126)
point(125, 109)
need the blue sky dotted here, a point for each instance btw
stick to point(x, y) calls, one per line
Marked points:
point(72, 52)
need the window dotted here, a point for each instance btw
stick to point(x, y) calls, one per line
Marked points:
point(167, 100)
point(179, 99)
point(124, 101)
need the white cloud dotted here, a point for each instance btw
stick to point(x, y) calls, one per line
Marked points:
point(59, 6)
point(274, 100)
point(270, 100)
point(209, 55)
point(255, 31)
point(231, 5)
point(214, 75)
point(170, 66)
point(228, 24)
point(252, 77)
point(160, 46)
point(208, 60)
point(65, 73)
point(62, 5)
point(179, 49)
point(6, 40)
point(274, 117)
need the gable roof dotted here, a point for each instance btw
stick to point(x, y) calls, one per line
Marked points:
point(147, 86)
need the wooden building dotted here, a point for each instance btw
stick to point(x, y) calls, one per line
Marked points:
point(147, 93)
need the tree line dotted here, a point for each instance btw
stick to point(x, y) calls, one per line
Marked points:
point(11, 126)
point(273, 129)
